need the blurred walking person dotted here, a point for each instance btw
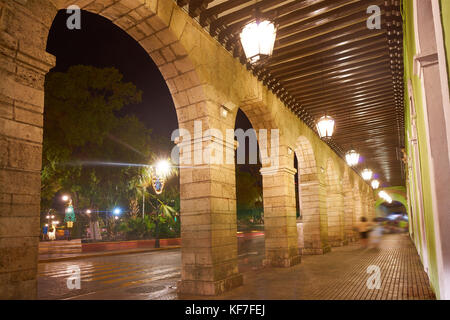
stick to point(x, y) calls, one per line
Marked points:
point(375, 235)
point(363, 228)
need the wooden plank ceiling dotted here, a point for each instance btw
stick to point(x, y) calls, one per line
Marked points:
point(325, 59)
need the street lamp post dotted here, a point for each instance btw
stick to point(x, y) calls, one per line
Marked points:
point(159, 174)
point(143, 202)
point(69, 217)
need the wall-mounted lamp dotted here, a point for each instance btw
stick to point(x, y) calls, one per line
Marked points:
point(223, 111)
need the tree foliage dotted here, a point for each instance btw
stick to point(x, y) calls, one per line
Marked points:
point(82, 133)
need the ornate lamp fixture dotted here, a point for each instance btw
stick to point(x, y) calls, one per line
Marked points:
point(69, 217)
point(258, 39)
point(375, 184)
point(159, 174)
point(367, 174)
point(325, 127)
point(352, 158)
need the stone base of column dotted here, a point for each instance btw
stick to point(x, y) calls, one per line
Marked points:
point(282, 262)
point(337, 243)
point(315, 251)
point(209, 288)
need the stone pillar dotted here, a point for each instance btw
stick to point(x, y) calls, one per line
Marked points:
point(357, 209)
point(208, 228)
point(280, 226)
point(314, 217)
point(335, 210)
point(23, 65)
point(364, 212)
point(371, 206)
point(349, 207)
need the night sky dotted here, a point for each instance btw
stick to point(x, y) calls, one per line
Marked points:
point(100, 43)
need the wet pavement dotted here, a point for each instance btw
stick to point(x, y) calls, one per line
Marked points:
point(344, 273)
point(150, 275)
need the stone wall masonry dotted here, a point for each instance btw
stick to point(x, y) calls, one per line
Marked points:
point(23, 65)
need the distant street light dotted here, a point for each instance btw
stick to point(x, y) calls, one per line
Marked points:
point(88, 211)
point(65, 198)
point(159, 174)
point(117, 211)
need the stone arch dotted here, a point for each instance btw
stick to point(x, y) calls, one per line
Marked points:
point(209, 251)
point(335, 205)
point(348, 208)
point(281, 246)
point(315, 236)
point(158, 27)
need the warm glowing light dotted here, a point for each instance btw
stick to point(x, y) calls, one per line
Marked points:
point(367, 174)
point(375, 184)
point(223, 112)
point(325, 127)
point(56, 222)
point(53, 217)
point(385, 196)
point(88, 211)
point(47, 217)
point(69, 210)
point(163, 168)
point(352, 158)
point(65, 198)
point(116, 217)
point(258, 39)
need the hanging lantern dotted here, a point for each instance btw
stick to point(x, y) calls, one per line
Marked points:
point(325, 127)
point(367, 174)
point(375, 184)
point(258, 39)
point(352, 158)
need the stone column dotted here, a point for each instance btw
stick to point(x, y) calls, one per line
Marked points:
point(348, 216)
point(314, 217)
point(23, 65)
point(335, 212)
point(208, 228)
point(364, 212)
point(280, 226)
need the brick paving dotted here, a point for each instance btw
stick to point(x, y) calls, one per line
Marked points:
point(342, 275)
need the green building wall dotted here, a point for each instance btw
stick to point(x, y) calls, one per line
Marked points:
point(410, 51)
point(445, 18)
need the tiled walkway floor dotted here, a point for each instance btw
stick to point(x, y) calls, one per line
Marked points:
point(343, 275)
